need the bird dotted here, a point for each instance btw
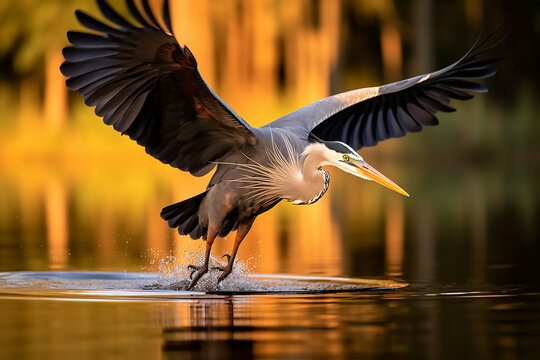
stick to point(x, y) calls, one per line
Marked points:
point(147, 86)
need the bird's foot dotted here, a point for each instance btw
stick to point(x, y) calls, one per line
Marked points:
point(196, 274)
point(226, 270)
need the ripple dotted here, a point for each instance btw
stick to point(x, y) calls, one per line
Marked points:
point(96, 285)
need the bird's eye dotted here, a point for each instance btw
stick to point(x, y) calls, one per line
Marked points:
point(345, 157)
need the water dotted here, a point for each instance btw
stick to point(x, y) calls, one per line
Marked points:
point(149, 286)
point(91, 271)
point(112, 315)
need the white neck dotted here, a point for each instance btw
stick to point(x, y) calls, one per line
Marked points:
point(315, 180)
point(298, 179)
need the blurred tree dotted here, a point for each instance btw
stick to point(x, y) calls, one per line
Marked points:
point(297, 50)
point(28, 28)
point(423, 45)
point(32, 34)
point(385, 13)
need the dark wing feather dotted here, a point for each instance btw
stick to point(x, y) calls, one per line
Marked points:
point(136, 14)
point(366, 116)
point(150, 14)
point(147, 86)
point(113, 16)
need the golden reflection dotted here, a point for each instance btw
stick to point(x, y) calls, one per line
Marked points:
point(29, 105)
point(264, 37)
point(310, 51)
point(264, 58)
point(192, 22)
point(55, 95)
point(157, 235)
point(206, 329)
point(315, 240)
point(262, 327)
point(260, 249)
point(109, 190)
point(56, 214)
point(30, 204)
point(394, 242)
point(106, 238)
point(391, 53)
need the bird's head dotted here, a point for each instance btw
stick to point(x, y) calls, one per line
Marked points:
point(343, 157)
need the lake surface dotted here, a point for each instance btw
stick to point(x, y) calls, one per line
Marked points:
point(466, 243)
point(114, 318)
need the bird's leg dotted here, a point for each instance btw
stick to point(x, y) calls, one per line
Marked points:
point(200, 270)
point(242, 231)
point(227, 269)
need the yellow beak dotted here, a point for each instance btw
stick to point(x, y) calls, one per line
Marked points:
point(365, 170)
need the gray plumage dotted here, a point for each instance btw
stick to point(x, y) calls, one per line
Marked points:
point(147, 86)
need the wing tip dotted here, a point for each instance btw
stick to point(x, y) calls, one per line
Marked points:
point(64, 70)
point(167, 16)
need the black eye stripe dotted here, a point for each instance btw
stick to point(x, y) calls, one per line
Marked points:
point(337, 146)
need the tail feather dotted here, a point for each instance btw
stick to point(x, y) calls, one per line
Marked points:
point(189, 225)
point(229, 224)
point(197, 232)
point(185, 216)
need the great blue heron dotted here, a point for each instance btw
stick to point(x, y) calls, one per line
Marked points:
point(147, 86)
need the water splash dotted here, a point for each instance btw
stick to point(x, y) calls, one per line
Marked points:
point(173, 279)
point(175, 276)
point(88, 285)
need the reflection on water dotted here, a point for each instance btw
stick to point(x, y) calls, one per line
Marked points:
point(466, 241)
point(377, 325)
point(462, 224)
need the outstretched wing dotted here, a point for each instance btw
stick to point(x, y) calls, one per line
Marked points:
point(147, 86)
point(366, 116)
